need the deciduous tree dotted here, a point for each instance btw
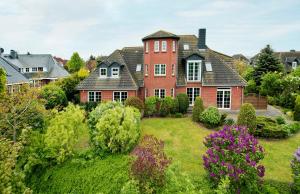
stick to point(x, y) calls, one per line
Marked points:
point(75, 63)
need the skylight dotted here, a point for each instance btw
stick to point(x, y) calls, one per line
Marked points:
point(208, 66)
point(138, 67)
point(186, 47)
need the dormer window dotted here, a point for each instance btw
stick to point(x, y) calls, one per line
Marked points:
point(164, 46)
point(186, 47)
point(26, 69)
point(34, 69)
point(193, 70)
point(294, 65)
point(156, 46)
point(115, 72)
point(103, 72)
point(147, 47)
point(40, 69)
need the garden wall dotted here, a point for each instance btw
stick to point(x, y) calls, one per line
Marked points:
point(259, 102)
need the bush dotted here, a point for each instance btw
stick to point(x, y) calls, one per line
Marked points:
point(234, 153)
point(150, 164)
point(166, 106)
point(151, 105)
point(247, 117)
point(271, 84)
point(280, 120)
point(54, 96)
point(197, 109)
point(229, 122)
point(131, 187)
point(135, 102)
point(269, 128)
point(297, 109)
point(292, 128)
point(89, 106)
point(68, 85)
point(63, 132)
point(295, 164)
point(117, 130)
point(178, 115)
point(183, 101)
point(175, 106)
point(210, 117)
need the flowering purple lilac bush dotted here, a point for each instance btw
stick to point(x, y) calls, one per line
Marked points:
point(150, 164)
point(295, 164)
point(233, 152)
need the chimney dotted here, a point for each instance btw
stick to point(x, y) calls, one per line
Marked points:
point(293, 50)
point(1, 51)
point(202, 39)
point(13, 54)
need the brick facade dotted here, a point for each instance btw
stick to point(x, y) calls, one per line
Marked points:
point(106, 95)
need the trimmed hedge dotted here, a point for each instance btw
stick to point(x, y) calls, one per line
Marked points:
point(197, 109)
point(247, 117)
point(166, 106)
point(183, 101)
point(135, 102)
point(151, 105)
point(210, 117)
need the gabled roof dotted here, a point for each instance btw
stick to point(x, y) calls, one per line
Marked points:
point(160, 34)
point(222, 73)
point(124, 82)
point(12, 75)
point(54, 70)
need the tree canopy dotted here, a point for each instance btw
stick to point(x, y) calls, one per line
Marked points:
point(75, 63)
point(2, 80)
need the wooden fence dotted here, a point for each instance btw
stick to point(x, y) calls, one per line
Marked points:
point(259, 102)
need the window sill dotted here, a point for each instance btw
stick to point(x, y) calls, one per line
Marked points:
point(160, 76)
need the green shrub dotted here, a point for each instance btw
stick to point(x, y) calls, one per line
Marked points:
point(175, 106)
point(183, 101)
point(54, 96)
point(197, 109)
point(229, 122)
point(273, 100)
point(63, 132)
point(287, 100)
point(166, 106)
point(178, 115)
point(135, 102)
point(297, 109)
point(117, 130)
point(210, 117)
point(131, 187)
point(292, 128)
point(247, 117)
point(280, 120)
point(295, 165)
point(89, 106)
point(269, 128)
point(151, 105)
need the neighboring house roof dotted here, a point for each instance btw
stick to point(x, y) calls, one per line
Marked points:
point(240, 57)
point(222, 73)
point(12, 75)
point(160, 34)
point(60, 60)
point(54, 70)
point(124, 82)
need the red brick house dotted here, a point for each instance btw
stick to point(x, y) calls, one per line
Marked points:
point(166, 65)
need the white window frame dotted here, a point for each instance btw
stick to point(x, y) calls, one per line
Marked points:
point(186, 47)
point(156, 46)
point(138, 68)
point(27, 68)
point(159, 92)
point(39, 70)
point(103, 76)
point(164, 46)
point(146, 69)
point(94, 96)
point(118, 72)
point(160, 70)
point(174, 46)
point(146, 47)
point(35, 69)
point(172, 92)
point(200, 70)
point(294, 65)
point(173, 69)
point(193, 95)
point(120, 100)
point(223, 90)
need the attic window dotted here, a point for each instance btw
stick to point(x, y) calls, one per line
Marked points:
point(186, 47)
point(103, 72)
point(208, 66)
point(294, 64)
point(138, 67)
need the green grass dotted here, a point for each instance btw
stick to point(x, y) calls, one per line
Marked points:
point(184, 143)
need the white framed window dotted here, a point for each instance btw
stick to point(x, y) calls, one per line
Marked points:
point(115, 72)
point(173, 69)
point(103, 72)
point(120, 96)
point(156, 46)
point(164, 46)
point(94, 96)
point(186, 47)
point(192, 93)
point(40, 69)
point(147, 47)
point(172, 92)
point(160, 69)
point(146, 69)
point(174, 46)
point(194, 70)
point(26, 69)
point(160, 93)
point(224, 98)
point(139, 67)
point(34, 69)
point(294, 65)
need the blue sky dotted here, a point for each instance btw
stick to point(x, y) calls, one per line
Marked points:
point(98, 27)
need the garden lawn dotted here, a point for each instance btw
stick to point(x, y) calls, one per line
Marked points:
point(184, 143)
